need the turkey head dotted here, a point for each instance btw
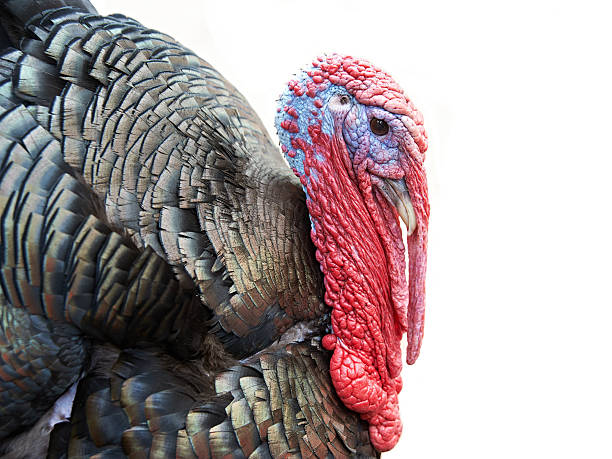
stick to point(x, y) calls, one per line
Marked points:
point(357, 144)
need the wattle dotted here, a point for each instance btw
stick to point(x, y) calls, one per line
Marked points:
point(361, 254)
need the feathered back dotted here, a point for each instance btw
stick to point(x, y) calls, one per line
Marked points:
point(181, 162)
point(134, 180)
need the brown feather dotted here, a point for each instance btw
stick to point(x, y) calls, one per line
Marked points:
point(151, 234)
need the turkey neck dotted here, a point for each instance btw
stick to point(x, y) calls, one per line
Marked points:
point(357, 241)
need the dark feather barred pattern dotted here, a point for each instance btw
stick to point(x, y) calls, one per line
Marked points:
point(134, 182)
point(277, 404)
point(65, 274)
point(180, 161)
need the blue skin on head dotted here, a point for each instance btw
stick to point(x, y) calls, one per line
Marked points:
point(308, 114)
point(381, 153)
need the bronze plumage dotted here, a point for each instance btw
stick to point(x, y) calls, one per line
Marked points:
point(151, 236)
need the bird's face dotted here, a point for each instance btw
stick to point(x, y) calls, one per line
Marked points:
point(357, 144)
point(379, 143)
point(379, 134)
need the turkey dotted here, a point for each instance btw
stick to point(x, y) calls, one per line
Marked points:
point(169, 286)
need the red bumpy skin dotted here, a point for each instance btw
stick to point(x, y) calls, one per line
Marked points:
point(359, 244)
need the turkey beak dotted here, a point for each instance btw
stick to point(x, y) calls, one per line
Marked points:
point(409, 197)
point(397, 194)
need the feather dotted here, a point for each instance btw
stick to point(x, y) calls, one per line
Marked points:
point(150, 236)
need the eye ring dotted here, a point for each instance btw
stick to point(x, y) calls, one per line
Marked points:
point(379, 127)
point(344, 100)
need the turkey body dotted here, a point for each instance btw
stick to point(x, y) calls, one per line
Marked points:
point(155, 249)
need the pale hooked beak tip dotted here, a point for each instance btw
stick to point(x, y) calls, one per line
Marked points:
point(397, 194)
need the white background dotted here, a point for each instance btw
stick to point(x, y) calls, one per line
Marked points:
point(517, 103)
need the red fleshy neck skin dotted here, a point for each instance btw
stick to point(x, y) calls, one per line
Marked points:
point(355, 228)
point(360, 249)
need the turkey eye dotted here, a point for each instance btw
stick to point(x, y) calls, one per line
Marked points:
point(379, 127)
point(344, 100)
